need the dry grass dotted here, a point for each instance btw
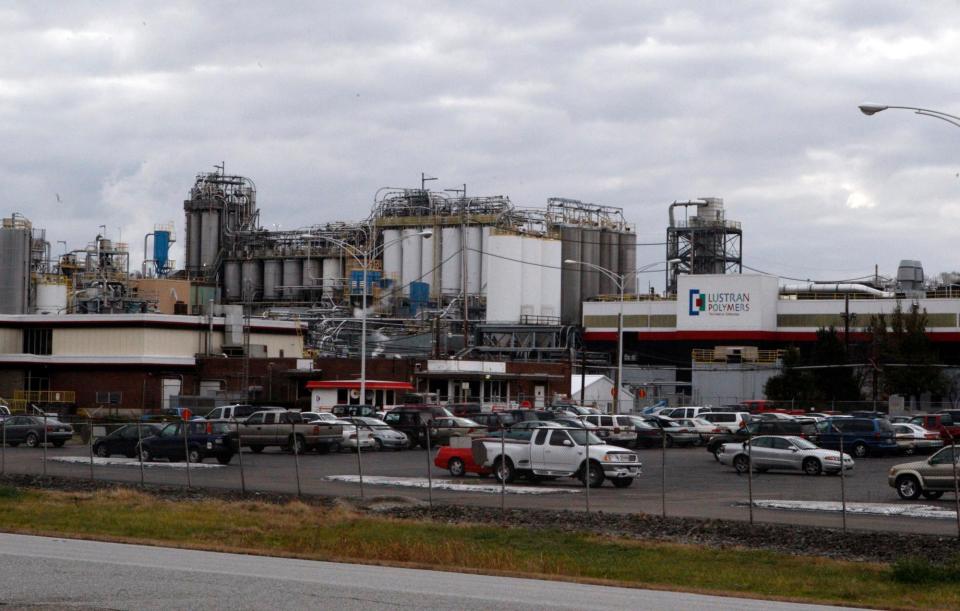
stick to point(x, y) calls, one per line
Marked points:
point(301, 530)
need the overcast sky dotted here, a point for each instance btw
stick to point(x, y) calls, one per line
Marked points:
point(114, 107)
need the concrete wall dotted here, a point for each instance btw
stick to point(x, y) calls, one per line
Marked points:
point(719, 384)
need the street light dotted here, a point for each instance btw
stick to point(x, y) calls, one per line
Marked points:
point(872, 109)
point(621, 281)
point(367, 253)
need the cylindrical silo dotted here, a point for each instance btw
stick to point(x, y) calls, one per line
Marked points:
point(311, 273)
point(252, 279)
point(450, 255)
point(589, 253)
point(530, 277)
point(609, 260)
point(51, 298)
point(194, 225)
point(14, 268)
point(504, 278)
point(550, 277)
point(231, 280)
point(427, 261)
point(484, 259)
point(272, 279)
point(570, 277)
point(332, 276)
point(473, 252)
point(392, 254)
point(628, 261)
point(411, 255)
point(292, 279)
point(209, 238)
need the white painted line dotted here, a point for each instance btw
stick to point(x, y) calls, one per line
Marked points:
point(132, 462)
point(445, 484)
point(907, 510)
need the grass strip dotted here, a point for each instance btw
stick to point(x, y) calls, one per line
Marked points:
point(299, 530)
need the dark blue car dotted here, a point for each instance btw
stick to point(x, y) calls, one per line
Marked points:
point(204, 439)
point(860, 436)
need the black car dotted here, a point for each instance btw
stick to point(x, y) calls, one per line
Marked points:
point(807, 430)
point(413, 420)
point(124, 440)
point(494, 421)
point(32, 431)
point(204, 439)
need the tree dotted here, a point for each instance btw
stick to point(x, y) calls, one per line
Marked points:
point(904, 354)
point(824, 376)
point(792, 384)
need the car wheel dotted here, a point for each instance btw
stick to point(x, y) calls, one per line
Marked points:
point(622, 482)
point(504, 471)
point(58, 443)
point(908, 487)
point(860, 449)
point(145, 455)
point(909, 451)
point(224, 459)
point(194, 455)
point(456, 467)
point(101, 451)
point(741, 463)
point(812, 466)
point(716, 453)
point(335, 447)
point(932, 494)
point(256, 449)
point(592, 473)
point(669, 441)
point(32, 440)
point(298, 445)
point(377, 444)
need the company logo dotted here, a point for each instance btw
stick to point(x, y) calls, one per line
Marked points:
point(719, 303)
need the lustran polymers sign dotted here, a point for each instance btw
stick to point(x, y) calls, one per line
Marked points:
point(717, 302)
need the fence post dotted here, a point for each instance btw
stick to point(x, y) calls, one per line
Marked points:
point(586, 468)
point(843, 483)
point(663, 473)
point(243, 481)
point(44, 444)
point(184, 424)
point(296, 456)
point(956, 485)
point(503, 479)
point(750, 472)
point(426, 428)
point(3, 447)
point(140, 451)
point(359, 462)
point(90, 446)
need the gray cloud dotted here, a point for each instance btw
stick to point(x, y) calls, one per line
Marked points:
point(117, 106)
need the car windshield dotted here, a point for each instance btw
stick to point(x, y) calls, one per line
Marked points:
point(803, 444)
point(581, 437)
point(465, 422)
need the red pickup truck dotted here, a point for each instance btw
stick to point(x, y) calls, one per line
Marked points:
point(942, 423)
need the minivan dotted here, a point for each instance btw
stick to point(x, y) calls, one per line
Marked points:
point(731, 421)
point(860, 436)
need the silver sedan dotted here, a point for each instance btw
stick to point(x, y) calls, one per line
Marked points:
point(782, 452)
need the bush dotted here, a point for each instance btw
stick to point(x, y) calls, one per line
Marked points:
point(9, 492)
point(916, 570)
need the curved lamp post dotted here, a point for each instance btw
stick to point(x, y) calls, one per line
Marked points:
point(362, 257)
point(620, 280)
point(872, 109)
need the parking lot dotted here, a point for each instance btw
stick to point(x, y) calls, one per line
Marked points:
point(691, 484)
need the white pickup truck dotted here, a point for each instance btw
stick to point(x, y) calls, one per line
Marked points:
point(554, 452)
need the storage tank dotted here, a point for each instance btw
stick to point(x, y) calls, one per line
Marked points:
point(450, 256)
point(232, 286)
point(550, 278)
point(312, 273)
point(473, 252)
point(252, 278)
point(428, 257)
point(14, 267)
point(589, 253)
point(609, 260)
point(332, 276)
point(504, 278)
point(571, 303)
point(484, 259)
point(292, 279)
point(392, 254)
point(209, 238)
point(628, 261)
point(161, 251)
point(272, 279)
point(412, 253)
point(51, 298)
point(530, 277)
point(194, 226)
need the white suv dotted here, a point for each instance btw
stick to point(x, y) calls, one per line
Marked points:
point(732, 421)
point(684, 412)
point(618, 430)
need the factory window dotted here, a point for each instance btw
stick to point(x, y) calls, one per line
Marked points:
point(109, 398)
point(38, 341)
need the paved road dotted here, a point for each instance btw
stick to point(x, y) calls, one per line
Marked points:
point(696, 486)
point(40, 571)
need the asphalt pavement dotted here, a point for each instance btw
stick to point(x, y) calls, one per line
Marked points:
point(57, 573)
point(689, 484)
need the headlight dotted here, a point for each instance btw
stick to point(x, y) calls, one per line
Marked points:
point(832, 458)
